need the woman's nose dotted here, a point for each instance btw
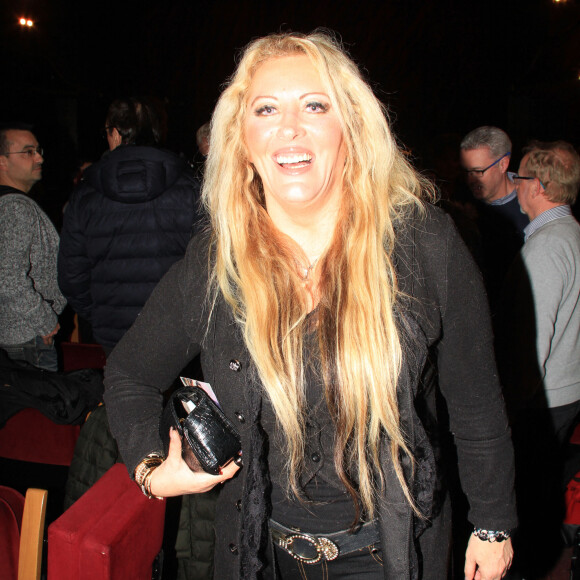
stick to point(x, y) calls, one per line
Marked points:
point(290, 127)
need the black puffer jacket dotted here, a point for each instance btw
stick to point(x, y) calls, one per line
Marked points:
point(125, 225)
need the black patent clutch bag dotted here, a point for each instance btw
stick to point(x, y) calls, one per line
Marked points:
point(209, 440)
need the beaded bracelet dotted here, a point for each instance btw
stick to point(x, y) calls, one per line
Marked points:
point(143, 473)
point(491, 535)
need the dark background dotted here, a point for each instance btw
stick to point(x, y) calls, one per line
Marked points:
point(443, 67)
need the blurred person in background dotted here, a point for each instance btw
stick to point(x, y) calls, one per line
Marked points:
point(485, 155)
point(128, 221)
point(30, 299)
point(539, 347)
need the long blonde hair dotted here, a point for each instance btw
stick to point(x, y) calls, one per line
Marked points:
point(255, 269)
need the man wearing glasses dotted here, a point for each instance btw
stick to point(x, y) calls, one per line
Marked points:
point(485, 156)
point(540, 348)
point(30, 300)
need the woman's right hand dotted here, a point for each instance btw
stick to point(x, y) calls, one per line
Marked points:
point(173, 477)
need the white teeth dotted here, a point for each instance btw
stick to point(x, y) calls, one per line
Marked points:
point(287, 159)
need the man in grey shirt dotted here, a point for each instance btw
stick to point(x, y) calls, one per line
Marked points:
point(540, 357)
point(30, 300)
point(547, 185)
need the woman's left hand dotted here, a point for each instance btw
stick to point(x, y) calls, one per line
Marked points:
point(487, 560)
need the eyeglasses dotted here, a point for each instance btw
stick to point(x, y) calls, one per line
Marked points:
point(526, 178)
point(481, 172)
point(30, 153)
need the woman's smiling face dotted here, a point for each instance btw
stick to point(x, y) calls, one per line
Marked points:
point(293, 136)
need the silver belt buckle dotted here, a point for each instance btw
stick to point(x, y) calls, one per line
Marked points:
point(325, 548)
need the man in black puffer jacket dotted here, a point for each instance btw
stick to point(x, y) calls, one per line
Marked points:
point(127, 222)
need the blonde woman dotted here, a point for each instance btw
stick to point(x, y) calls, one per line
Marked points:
point(316, 298)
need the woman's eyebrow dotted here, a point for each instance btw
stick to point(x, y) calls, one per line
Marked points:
point(262, 97)
point(301, 97)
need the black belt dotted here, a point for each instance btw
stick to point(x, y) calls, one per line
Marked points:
point(312, 548)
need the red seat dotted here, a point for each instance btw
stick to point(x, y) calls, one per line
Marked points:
point(30, 436)
point(21, 533)
point(11, 508)
point(77, 355)
point(112, 532)
point(575, 439)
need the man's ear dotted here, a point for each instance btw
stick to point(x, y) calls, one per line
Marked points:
point(117, 139)
point(504, 164)
point(3, 162)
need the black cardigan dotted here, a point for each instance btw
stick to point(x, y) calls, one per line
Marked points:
point(446, 317)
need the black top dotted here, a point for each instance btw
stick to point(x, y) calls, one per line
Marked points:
point(325, 505)
point(8, 189)
point(501, 229)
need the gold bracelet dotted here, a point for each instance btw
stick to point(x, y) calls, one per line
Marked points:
point(147, 483)
point(153, 459)
point(143, 473)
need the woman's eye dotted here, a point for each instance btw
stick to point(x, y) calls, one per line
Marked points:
point(316, 107)
point(265, 110)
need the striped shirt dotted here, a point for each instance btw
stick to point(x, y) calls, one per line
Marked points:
point(545, 217)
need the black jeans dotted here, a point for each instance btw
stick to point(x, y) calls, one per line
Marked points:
point(364, 564)
point(434, 547)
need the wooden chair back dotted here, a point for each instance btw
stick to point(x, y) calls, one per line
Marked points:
point(21, 533)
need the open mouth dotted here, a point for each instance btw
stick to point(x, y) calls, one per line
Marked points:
point(301, 160)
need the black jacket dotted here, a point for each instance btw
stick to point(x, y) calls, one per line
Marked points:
point(446, 317)
point(65, 398)
point(128, 221)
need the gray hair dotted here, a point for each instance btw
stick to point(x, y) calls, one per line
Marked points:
point(497, 140)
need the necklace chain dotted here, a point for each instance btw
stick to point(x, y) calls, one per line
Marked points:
point(309, 268)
